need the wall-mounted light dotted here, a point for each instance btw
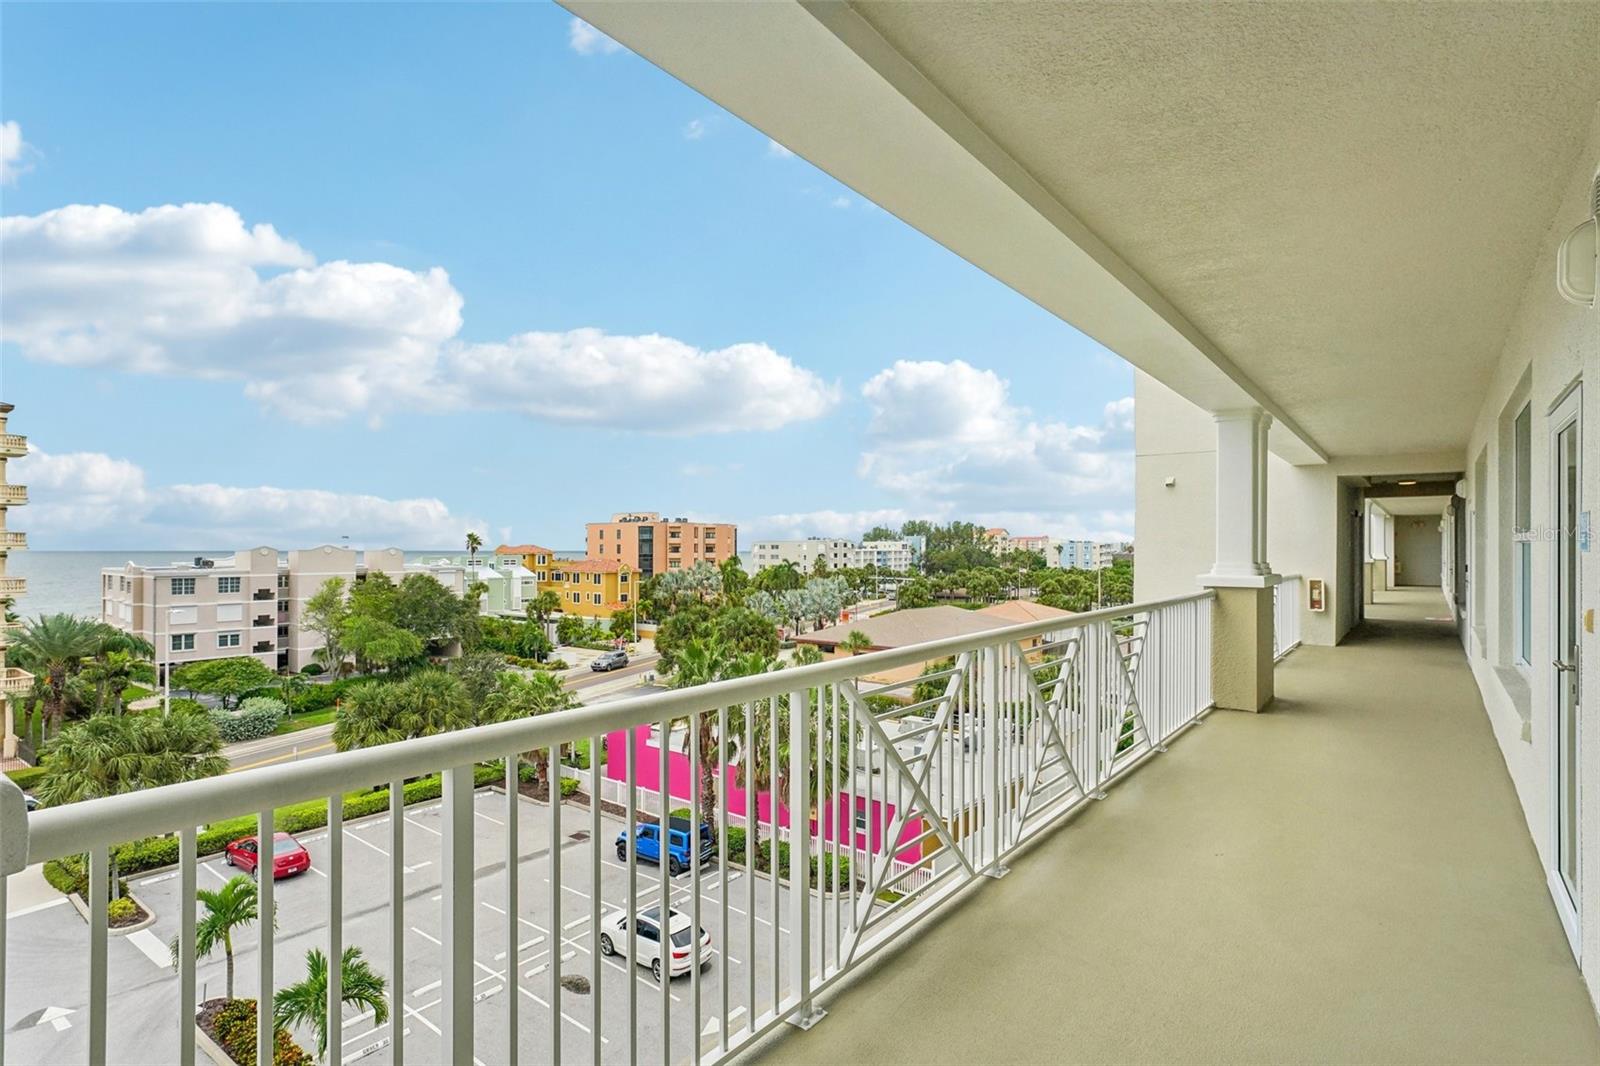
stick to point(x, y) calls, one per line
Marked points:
point(1578, 258)
point(1171, 481)
point(1405, 482)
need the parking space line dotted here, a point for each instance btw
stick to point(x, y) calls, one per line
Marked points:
point(424, 828)
point(218, 874)
point(486, 818)
point(429, 987)
point(425, 936)
point(350, 835)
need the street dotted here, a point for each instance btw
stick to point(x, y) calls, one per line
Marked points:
point(318, 740)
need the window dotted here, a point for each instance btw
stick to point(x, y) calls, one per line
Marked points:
point(227, 584)
point(539, 560)
point(283, 581)
point(576, 597)
point(861, 820)
point(283, 606)
point(595, 597)
point(602, 549)
point(594, 579)
point(1522, 547)
point(624, 598)
point(226, 640)
point(182, 586)
point(183, 642)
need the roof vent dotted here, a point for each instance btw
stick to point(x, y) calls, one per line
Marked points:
point(1578, 258)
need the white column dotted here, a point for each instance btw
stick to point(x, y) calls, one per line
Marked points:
point(1241, 556)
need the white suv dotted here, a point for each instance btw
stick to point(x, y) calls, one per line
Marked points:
point(647, 950)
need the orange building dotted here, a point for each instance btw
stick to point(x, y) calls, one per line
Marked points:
point(653, 545)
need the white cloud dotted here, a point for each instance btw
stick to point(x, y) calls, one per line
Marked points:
point(694, 129)
point(88, 499)
point(946, 437)
point(585, 40)
point(778, 151)
point(193, 291)
point(792, 526)
point(650, 381)
point(13, 153)
point(840, 202)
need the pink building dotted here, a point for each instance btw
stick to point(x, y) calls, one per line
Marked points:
point(871, 819)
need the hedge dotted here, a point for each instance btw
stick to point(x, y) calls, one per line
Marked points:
point(734, 849)
point(154, 852)
point(321, 697)
point(257, 716)
point(26, 777)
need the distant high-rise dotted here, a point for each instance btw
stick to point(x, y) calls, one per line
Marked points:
point(12, 679)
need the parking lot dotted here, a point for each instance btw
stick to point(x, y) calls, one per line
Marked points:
point(46, 1000)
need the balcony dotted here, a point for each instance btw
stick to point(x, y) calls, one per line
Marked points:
point(15, 680)
point(264, 594)
point(13, 495)
point(263, 620)
point(13, 540)
point(1235, 874)
point(13, 445)
point(928, 781)
point(13, 586)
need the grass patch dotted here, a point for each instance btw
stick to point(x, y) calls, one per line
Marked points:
point(306, 721)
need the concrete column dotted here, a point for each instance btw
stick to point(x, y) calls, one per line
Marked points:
point(1242, 617)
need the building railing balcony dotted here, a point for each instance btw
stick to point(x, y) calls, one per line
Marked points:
point(15, 680)
point(13, 539)
point(264, 594)
point(264, 645)
point(13, 586)
point(264, 620)
point(13, 495)
point(13, 445)
point(908, 775)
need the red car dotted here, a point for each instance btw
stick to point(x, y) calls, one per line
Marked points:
point(288, 856)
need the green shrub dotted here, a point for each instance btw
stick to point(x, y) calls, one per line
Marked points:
point(311, 669)
point(257, 716)
point(236, 1032)
point(678, 812)
point(67, 875)
point(121, 910)
point(27, 777)
point(154, 852)
point(569, 787)
point(733, 845)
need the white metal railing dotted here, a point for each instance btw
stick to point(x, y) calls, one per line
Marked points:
point(905, 775)
point(1286, 597)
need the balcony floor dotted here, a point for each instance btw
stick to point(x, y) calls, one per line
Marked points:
point(1347, 878)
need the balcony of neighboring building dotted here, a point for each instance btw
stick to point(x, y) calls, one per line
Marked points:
point(13, 495)
point(13, 586)
point(13, 680)
point(13, 445)
point(13, 540)
point(1347, 878)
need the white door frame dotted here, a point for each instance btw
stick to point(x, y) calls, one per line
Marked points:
point(1567, 413)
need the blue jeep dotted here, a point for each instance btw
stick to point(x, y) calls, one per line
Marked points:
point(678, 834)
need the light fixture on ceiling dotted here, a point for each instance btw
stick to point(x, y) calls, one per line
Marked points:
point(1405, 482)
point(1578, 258)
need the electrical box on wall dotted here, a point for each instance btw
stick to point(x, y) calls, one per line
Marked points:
point(1315, 596)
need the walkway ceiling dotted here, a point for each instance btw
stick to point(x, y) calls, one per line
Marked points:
point(1327, 209)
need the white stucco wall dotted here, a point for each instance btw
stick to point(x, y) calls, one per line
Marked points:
point(1551, 345)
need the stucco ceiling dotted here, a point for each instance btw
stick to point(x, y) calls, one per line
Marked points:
point(1346, 198)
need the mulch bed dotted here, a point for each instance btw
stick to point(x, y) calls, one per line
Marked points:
point(541, 792)
point(207, 1018)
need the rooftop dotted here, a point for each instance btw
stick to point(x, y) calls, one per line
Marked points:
point(897, 629)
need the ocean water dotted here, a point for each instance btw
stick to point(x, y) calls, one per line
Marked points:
point(70, 581)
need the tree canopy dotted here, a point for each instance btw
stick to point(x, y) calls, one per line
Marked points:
point(226, 679)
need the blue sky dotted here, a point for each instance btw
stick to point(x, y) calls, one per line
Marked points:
point(277, 273)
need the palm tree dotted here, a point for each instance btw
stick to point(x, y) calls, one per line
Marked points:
point(306, 1002)
point(475, 594)
point(54, 646)
point(700, 662)
point(516, 696)
point(230, 907)
point(427, 702)
point(807, 654)
point(856, 642)
point(109, 755)
point(474, 542)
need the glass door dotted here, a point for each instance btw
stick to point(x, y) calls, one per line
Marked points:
point(1566, 485)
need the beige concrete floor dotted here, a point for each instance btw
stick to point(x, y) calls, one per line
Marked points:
point(1347, 878)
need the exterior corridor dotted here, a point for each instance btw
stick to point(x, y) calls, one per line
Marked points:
point(1347, 878)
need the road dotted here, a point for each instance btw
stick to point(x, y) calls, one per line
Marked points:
point(318, 740)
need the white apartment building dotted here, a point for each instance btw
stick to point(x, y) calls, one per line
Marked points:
point(803, 553)
point(1086, 554)
point(900, 556)
point(250, 603)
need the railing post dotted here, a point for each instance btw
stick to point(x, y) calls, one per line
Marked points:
point(991, 759)
point(806, 1013)
point(456, 851)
